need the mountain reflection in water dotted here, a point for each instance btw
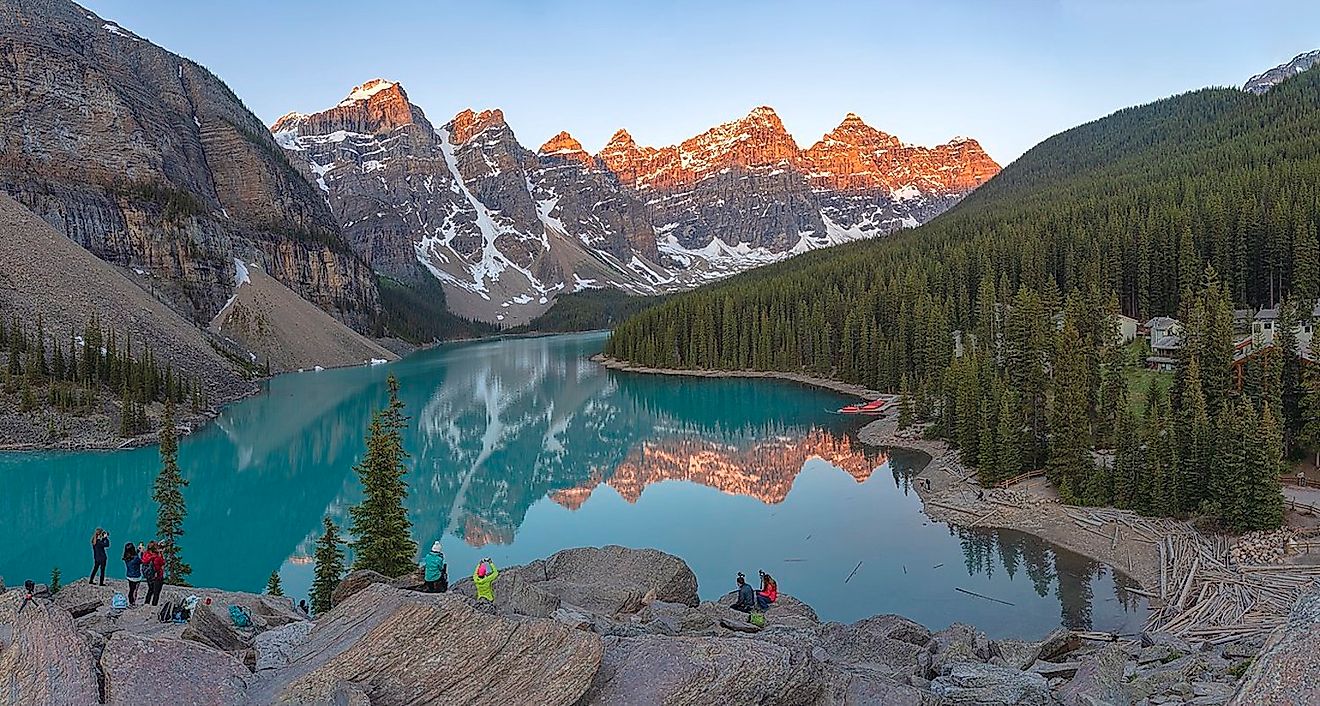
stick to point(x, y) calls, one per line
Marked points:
point(523, 447)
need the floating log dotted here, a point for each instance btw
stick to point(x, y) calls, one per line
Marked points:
point(978, 595)
point(850, 575)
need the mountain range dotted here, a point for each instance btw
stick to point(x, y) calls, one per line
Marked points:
point(506, 229)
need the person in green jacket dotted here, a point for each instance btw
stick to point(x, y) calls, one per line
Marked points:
point(434, 571)
point(483, 577)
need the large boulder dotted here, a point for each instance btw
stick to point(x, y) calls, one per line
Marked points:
point(402, 646)
point(888, 644)
point(608, 581)
point(1021, 654)
point(275, 646)
point(1099, 681)
point(355, 581)
point(676, 619)
point(651, 669)
point(975, 684)
point(172, 671)
point(954, 644)
point(1287, 669)
point(43, 656)
point(206, 627)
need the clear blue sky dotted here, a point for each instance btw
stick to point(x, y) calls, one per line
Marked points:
point(1008, 73)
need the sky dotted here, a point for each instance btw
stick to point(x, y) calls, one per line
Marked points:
point(1008, 73)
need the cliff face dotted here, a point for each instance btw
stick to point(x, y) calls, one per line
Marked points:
point(151, 162)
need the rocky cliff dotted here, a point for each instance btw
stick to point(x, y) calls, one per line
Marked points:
point(586, 626)
point(150, 162)
point(1260, 83)
point(507, 229)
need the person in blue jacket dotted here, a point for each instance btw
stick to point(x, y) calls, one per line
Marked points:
point(435, 573)
point(100, 543)
point(132, 571)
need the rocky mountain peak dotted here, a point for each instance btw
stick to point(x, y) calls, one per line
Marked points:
point(565, 146)
point(468, 123)
point(369, 89)
point(377, 106)
point(1260, 83)
point(854, 133)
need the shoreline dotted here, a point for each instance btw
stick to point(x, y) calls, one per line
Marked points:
point(950, 483)
point(809, 380)
point(949, 494)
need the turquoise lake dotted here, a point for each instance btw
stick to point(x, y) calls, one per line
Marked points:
point(522, 447)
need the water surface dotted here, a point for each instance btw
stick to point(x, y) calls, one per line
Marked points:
point(524, 447)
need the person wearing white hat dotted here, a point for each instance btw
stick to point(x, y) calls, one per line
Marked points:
point(435, 572)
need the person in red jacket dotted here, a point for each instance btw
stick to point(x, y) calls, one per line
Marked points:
point(769, 592)
point(153, 571)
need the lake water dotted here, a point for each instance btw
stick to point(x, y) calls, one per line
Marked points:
point(523, 447)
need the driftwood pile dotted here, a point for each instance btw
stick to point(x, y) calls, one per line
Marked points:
point(1205, 597)
point(1204, 593)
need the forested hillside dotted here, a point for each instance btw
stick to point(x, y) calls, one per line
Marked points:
point(1189, 207)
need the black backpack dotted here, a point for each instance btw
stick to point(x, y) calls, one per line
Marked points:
point(148, 571)
point(444, 578)
point(166, 613)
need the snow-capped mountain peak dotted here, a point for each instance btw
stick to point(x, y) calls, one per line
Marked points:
point(506, 229)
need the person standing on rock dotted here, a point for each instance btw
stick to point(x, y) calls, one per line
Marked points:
point(132, 572)
point(100, 543)
point(484, 577)
point(153, 571)
point(435, 573)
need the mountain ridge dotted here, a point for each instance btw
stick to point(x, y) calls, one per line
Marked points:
point(507, 229)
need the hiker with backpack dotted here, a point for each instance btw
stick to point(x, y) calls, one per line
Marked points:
point(132, 571)
point(100, 543)
point(483, 577)
point(153, 572)
point(434, 570)
point(746, 602)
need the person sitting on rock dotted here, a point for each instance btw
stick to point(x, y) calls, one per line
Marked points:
point(746, 602)
point(483, 577)
point(769, 592)
point(434, 571)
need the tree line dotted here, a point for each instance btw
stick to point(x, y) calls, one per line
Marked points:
point(1190, 207)
point(75, 372)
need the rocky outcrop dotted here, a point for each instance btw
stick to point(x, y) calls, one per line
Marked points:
point(606, 581)
point(137, 668)
point(43, 657)
point(150, 162)
point(1262, 83)
point(444, 650)
point(507, 230)
point(704, 670)
point(1287, 670)
point(385, 643)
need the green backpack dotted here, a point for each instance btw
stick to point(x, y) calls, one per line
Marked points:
point(757, 619)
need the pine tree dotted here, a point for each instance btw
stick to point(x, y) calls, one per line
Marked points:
point(329, 567)
point(1264, 500)
point(55, 580)
point(273, 587)
point(168, 494)
point(1309, 437)
point(1128, 461)
point(383, 539)
point(1196, 439)
point(1069, 463)
point(905, 411)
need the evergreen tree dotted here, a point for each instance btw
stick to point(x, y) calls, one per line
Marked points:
point(273, 586)
point(1129, 461)
point(168, 494)
point(54, 580)
point(1265, 467)
point(329, 567)
point(1310, 406)
point(1069, 465)
point(1196, 441)
point(1008, 461)
point(383, 539)
point(905, 411)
